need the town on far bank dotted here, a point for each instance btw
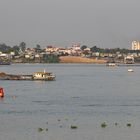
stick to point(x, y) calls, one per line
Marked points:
point(77, 53)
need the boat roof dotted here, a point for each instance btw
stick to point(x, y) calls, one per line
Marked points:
point(42, 72)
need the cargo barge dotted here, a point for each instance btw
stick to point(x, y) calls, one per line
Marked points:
point(45, 76)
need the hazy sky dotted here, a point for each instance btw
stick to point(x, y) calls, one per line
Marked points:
point(105, 23)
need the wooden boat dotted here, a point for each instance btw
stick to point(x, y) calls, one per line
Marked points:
point(45, 76)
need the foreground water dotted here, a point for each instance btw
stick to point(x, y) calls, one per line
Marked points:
point(83, 95)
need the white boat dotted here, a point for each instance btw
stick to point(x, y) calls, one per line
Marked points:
point(130, 70)
point(112, 64)
point(48, 76)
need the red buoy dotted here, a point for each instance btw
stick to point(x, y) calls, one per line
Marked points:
point(1, 93)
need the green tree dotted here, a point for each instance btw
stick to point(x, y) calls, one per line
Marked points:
point(83, 47)
point(38, 48)
point(51, 58)
point(94, 49)
point(4, 48)
point(22, 46)
point(16, 49)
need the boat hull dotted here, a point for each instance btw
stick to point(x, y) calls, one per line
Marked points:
point(4, 76)
point(49, 78)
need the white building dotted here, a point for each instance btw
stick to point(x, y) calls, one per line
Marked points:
point(135, 45)
point(76, 47)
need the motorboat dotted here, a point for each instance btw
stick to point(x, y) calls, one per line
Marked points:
point(130, 70)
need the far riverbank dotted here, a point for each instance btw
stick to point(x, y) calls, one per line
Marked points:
point(77, 59)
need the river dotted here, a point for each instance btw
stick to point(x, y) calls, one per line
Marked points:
point(83, 95)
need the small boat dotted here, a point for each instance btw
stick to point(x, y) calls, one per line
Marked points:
point(112, 64)
point(48, 76)
point(130, 70)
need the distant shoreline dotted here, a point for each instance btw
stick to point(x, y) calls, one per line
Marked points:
point(77, 59)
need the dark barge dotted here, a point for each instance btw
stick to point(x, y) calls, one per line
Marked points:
point(45, 76)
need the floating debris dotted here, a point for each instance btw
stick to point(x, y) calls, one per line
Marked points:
point(60, 126)
point(40, 129)
point(103, 125)
point(128, 124)
point(116, 124)
point(74, 127)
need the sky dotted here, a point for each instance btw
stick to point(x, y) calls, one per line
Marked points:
point(62, 23)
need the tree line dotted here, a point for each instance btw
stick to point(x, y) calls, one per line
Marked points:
point(16, 48)
point(110, 50)
point(22, 46)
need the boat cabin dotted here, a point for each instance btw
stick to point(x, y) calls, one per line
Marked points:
point(42, 74)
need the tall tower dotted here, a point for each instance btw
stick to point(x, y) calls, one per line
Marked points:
point(135, 45)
